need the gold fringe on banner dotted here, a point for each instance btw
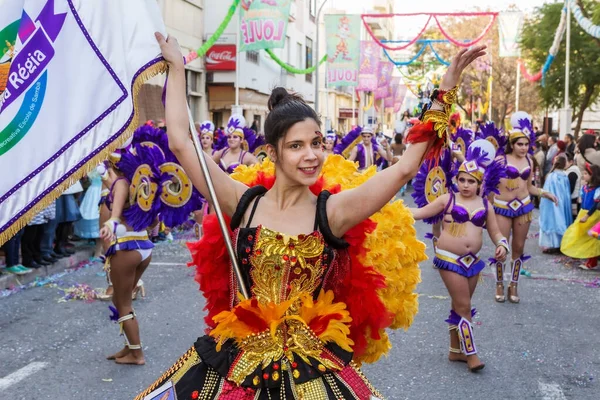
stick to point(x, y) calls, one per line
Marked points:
point(156, 69)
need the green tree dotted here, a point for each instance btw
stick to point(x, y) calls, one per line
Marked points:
point(584, 77)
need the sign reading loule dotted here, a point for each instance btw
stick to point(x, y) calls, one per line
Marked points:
point(343, 49)
point(263, 24)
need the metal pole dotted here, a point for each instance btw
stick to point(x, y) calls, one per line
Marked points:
point(237, 60)
point(568, 53)
point(353, 107)
point(215, 203)
point(518, 87)
point(317, 57)
point(491, 88)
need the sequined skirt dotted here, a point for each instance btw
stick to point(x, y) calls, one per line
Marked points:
point(194, 377)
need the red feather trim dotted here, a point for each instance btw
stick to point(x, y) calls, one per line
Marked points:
point(263, 179)
point(319, 324)
point(421, 133)
point(209, 256)
point(358, 289)
point(251, 319)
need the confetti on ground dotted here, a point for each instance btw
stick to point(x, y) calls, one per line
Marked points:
point(80, 291)
point(107, 380)
point(45, 280)
point(438, 297)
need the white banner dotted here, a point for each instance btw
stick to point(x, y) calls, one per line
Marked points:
point(69, 97)
point(510, 26)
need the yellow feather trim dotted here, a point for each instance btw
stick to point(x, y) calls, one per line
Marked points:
point(156, 69)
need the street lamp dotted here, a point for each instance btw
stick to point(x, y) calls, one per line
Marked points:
point(317, 58)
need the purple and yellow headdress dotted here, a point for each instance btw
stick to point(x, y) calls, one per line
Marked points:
point(462, 138)
point(236, 125)
point(522, 128)
point(480, 163)
point(207, 128)
point(493, 135)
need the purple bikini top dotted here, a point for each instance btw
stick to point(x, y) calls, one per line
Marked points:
point(460, 214)
point(110, 197)
point(513, 172)
point(231, 168)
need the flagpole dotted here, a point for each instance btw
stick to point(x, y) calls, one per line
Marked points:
point(518, 87)
point(215, 203)
point(237, 60)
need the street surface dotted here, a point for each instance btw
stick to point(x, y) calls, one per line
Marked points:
point(547, 347)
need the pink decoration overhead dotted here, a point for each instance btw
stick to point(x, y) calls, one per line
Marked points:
point(472, 42)
point(435, 17)
point(527, 75)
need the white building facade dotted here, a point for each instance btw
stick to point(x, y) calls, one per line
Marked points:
point(184, 19)
point(258, 73)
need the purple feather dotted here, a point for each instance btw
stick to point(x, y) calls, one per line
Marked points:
point(221, 140)
point(135, 217)
point(454, 318)
point(233, 123)
point(489, 131)
point(491, 177)
point(347, 140)
point(174, 216)
point(420, 181)
point(253, 139)
point(466, 137)
point(114, 313)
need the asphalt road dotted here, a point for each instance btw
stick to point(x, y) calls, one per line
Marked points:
point(547, 347)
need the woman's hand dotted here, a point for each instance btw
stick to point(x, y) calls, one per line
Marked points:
point(170, 50)
point(107, 234)
point(458, 65)
point(551, 197)
point(584, 218)
point(500, 253)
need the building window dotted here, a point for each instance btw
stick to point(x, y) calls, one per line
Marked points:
point(193, 81)
point(309, 58)
point(252, 56)
point(299, 56)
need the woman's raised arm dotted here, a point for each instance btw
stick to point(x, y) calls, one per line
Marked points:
point(228, 190)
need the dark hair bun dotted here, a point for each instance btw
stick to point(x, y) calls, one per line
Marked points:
point(280, 96)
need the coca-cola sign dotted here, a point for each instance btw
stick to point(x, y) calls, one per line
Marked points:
point(221, 57)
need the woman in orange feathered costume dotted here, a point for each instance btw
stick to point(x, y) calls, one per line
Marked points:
point(319, 250)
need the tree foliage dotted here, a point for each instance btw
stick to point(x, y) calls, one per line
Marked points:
point(584, 76)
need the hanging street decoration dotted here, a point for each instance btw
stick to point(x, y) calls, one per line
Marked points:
point(343, 49)
point(370, 54)
point(263, 25)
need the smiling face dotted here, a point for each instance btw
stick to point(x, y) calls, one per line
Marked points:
point(467, 184)
point(299, 155)
point(207, 141)
point(521, 147)
point(234, 141)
